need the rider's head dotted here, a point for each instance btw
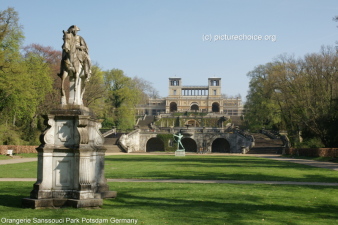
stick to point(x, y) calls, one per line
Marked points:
point(73, 29)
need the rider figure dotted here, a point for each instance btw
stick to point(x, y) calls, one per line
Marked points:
point(81, 50)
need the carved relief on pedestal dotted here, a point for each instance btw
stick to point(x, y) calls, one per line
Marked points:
point(49, 133)
point(64, 131)
point(98, 138)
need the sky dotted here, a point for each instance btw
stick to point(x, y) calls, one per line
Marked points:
point(190, 39)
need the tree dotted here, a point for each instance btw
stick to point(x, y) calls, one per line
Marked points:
point(39, 86)
point(96, 91)
point(146, 89)
point(261, 106)
point(11, 37)
point(122, 97)
point(52, 58)
point(24, 82)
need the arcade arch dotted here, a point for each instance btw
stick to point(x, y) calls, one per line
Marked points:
point(154, 144)
point(220, 145)
point(189, 144)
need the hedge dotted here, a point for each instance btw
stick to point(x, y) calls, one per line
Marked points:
point(313, 152)
point(17, 149)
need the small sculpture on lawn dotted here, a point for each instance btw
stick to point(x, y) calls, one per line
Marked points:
point(179, 138)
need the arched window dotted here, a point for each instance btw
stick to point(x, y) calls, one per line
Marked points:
point(173, 107)
point(194, 107)
point(215, 107)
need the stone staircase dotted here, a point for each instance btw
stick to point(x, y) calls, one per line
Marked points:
point(266, 145)
point(111, 143)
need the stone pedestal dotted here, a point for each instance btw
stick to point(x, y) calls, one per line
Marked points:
point(70, 162)
point(180, 152)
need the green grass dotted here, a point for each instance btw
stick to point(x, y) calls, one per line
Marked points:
point(19, 170)
point(27, 155)
point(3, 157)
point(179, 203)
point(213, 168)
point(195, 167)
point(184, 203)
point(21, 155)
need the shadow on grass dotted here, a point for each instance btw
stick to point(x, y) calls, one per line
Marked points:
point(13, 201)
point(235, 208)
point(171, 203)
point(13, 192)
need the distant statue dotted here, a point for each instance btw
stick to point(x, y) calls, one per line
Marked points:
point(179, 138)
point(75, 64)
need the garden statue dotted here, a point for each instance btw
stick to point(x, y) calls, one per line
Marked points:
point(179, 138)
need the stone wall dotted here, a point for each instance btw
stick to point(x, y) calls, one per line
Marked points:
point(136, 141)
point(17, 149)
point(313, 152)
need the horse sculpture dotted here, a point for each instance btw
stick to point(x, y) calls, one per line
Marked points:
point(75, 64)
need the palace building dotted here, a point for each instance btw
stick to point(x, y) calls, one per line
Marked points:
point(193, 98)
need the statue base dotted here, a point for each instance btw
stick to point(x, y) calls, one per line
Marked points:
point(180, 152)
point(70, 162)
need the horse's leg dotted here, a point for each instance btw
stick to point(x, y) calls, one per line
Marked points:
point(78, 100)
point(83, 79)
point(80, 84)
point(72, 88)
point(78, 89)
point(63, 92)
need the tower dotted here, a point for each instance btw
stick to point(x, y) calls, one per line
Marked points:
point(214, 87)
point(175, 86)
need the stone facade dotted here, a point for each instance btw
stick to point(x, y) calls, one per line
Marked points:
point(195, 98)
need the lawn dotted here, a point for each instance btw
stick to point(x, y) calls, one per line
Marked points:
point(181, 203)
point(184, 203)
point(201, 167)
point(213, 168)
point(21, 155)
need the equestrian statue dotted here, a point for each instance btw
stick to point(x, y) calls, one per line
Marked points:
point(76, 65)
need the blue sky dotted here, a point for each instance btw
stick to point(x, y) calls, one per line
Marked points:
point(157, 39)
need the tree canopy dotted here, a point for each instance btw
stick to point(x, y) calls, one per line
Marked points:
point(299, 95)
point(24, 81)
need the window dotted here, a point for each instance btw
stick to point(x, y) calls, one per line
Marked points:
point(214, 83)
point(174, 83)
point(215, 92)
